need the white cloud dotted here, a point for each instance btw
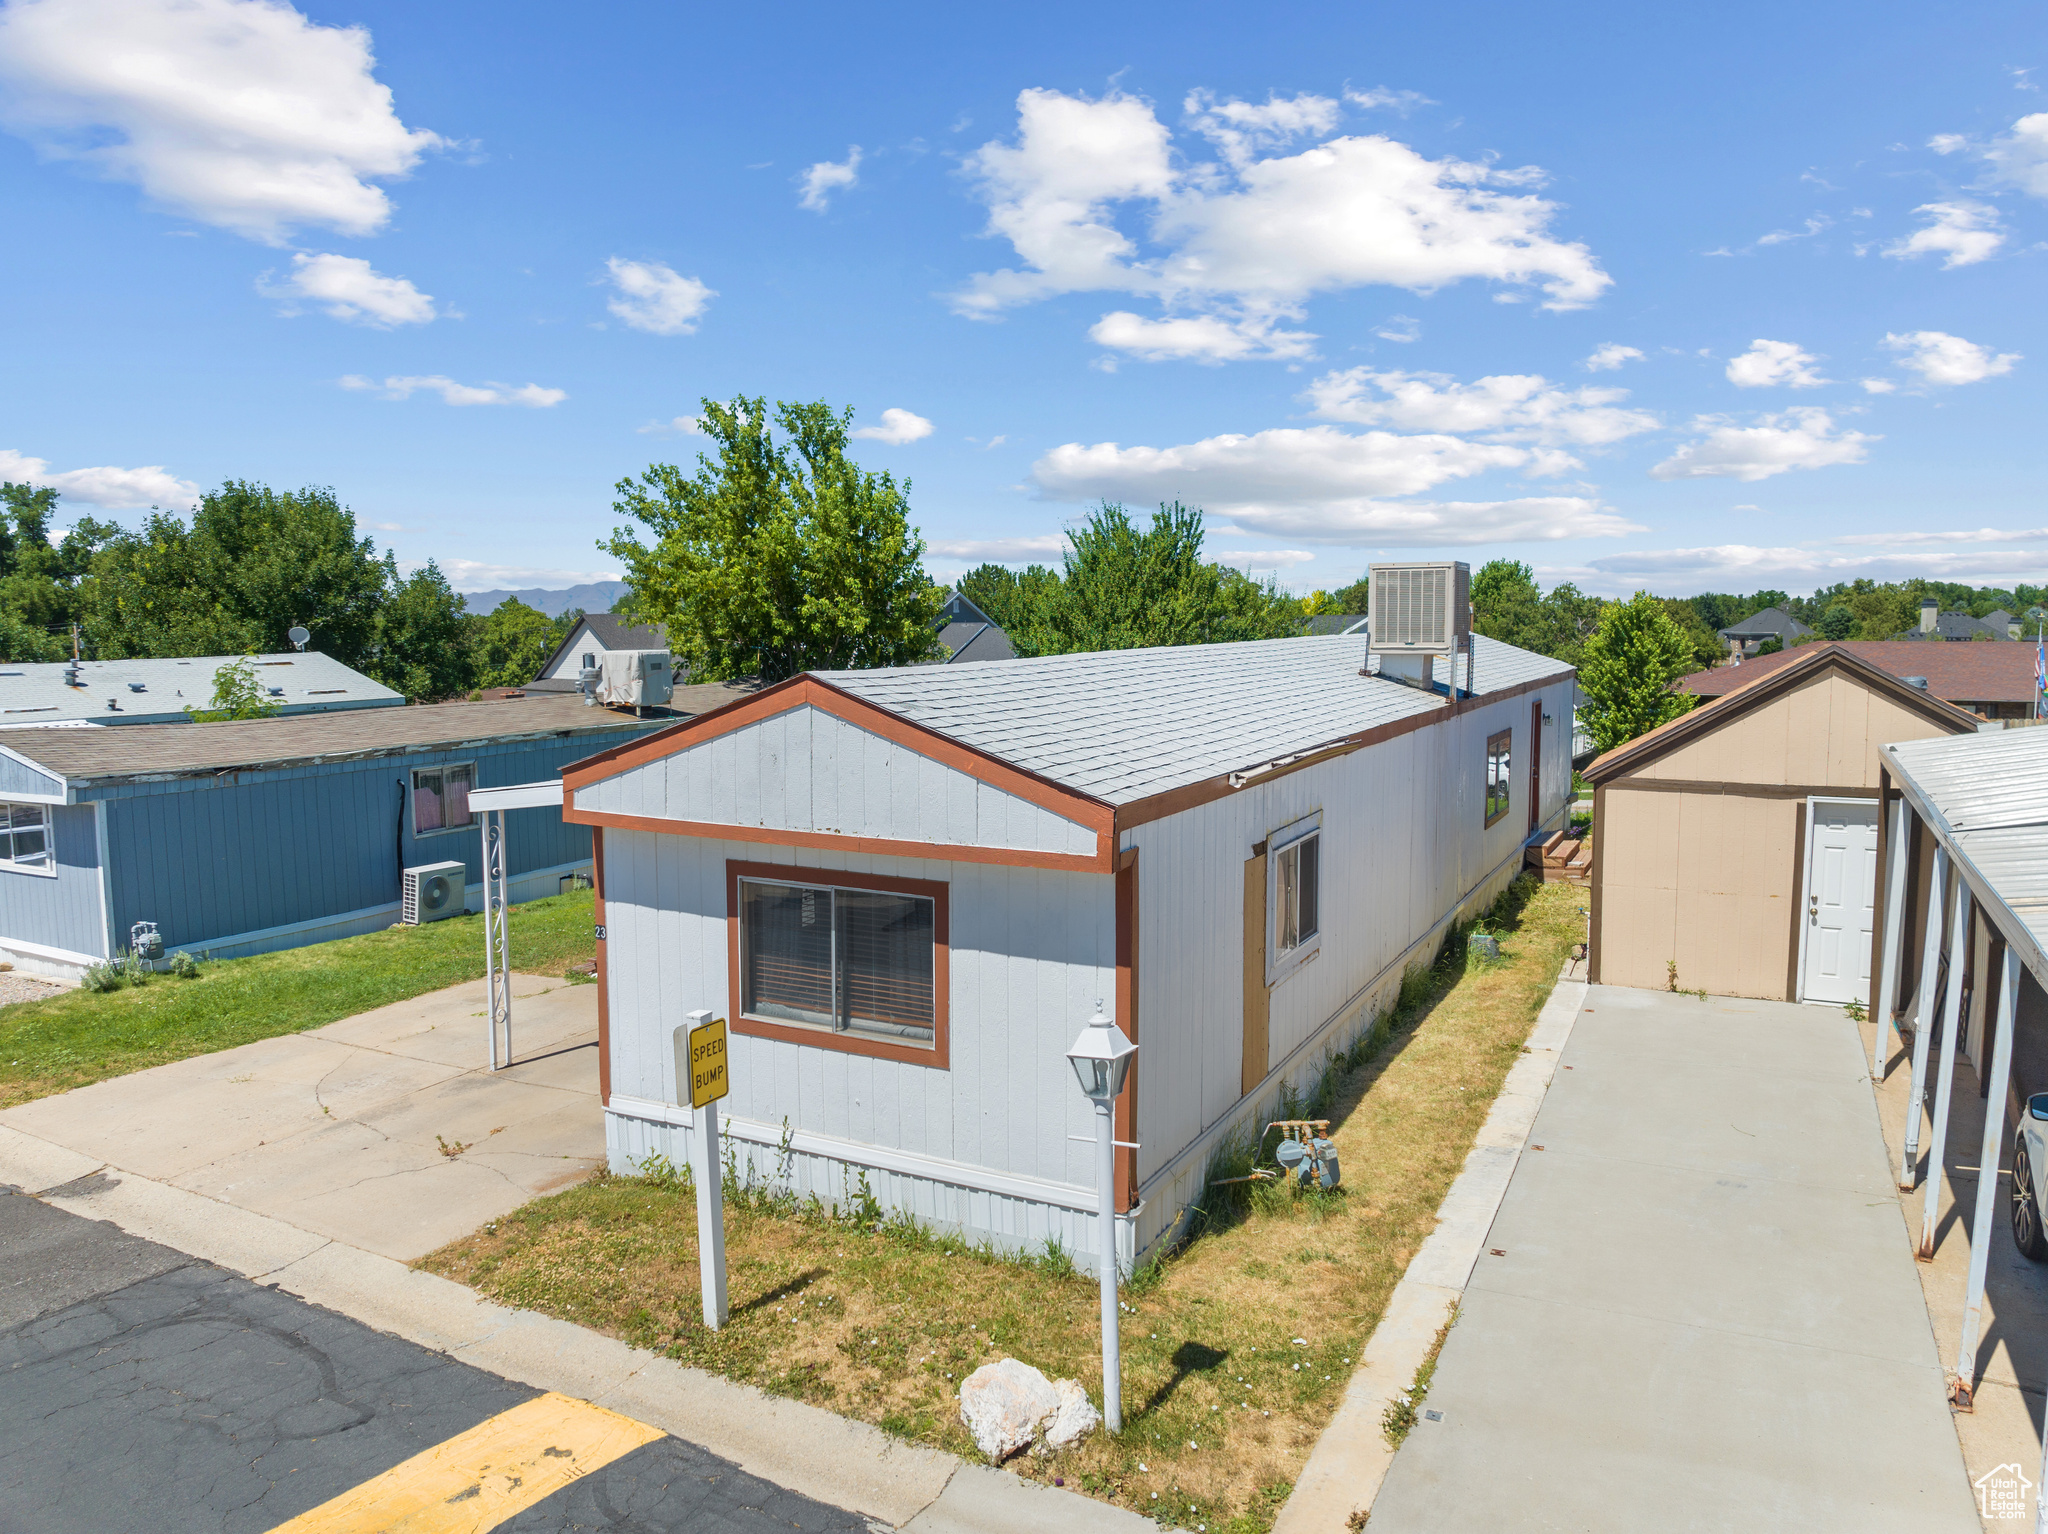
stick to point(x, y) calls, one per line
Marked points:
point(1961, 233)
point(1002, 551)
point(1974, 535)
point(1745, 567)
point(1319, 484)
point(1813, 226)
point(1793, 439)
point(109, 488)
point(1941, 358)
point(1509, 407)
point(1250, 239)
point(454, 393)
point(2018, 158)
point(473, 575)
point(1403, 328)
point(653, 297)
point(826, 177)
point(1263, 559)
point(1774, 364)
point(238, 113)
point(897, 428)
point(1206, 338)
point(1608, 358)
point(348, 289)
point(1879, 386)
point(1402, 102)
point(679, 426)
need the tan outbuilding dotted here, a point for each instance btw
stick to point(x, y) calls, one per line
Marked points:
point(1736, 848)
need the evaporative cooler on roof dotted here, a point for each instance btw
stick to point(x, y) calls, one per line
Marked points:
point(1421, 609)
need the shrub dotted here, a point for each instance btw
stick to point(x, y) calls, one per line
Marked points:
point(184, 966)
point(101, 977)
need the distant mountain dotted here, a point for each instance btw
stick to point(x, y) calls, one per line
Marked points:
point(597, 597)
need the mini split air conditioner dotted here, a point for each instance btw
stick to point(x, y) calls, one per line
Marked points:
point(432, 891)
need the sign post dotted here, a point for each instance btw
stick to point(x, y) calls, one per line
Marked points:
point(701, 1066)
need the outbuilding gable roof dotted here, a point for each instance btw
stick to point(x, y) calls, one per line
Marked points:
point(1806, 663)
point(1973, 673)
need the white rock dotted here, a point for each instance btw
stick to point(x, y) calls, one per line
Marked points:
point(1076, 1418)
point(1004, 1404)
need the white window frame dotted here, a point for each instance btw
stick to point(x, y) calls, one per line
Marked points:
point(1280, 964)
point(412, 803)
point(47, 869)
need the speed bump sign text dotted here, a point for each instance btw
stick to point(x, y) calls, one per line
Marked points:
point(709, 1080)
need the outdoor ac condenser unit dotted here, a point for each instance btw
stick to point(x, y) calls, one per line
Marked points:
point(1421, 609)
point(432, 891)
point(635, 678)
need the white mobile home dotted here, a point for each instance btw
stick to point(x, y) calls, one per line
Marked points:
point(908, 888)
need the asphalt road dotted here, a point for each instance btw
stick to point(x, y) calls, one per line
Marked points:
point(142, 1389)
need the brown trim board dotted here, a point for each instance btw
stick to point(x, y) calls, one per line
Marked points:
point(1881, 894)
point(1599, 883)
point(1098, 862)
point(1741, 790)
point(1798, 895)
point(937, 1056)
point(604, 1011)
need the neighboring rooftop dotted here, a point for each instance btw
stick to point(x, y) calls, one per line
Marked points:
point(969, 634)
point(1124, 724)
point(1770, 623)
point(131, 692)
point(173, 750)
point(558, 673)
point(1955, 627)
point(1967, 674)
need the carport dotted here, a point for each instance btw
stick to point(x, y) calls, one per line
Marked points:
point(1976, 978)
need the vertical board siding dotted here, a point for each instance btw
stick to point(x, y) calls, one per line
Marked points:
point(20, 778)
point(61, 912)
point(212, 858)
point(1031, 951)
point(807, 770)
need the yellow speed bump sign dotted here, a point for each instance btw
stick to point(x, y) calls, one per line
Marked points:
point(709, 1080)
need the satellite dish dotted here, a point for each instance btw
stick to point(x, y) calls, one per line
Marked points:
point(298, 637)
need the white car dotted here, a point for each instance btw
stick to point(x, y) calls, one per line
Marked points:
point(2029, 1162)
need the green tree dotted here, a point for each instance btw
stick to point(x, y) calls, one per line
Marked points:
point(423, 646)
point(19, 641)
point(39, 581)
point(513, 641)
point(1704, 645)
point(779, 556)
point(1770, 644)
point(1838, 622)
point(1506, 604)
point(1125, 589)
point(1011, 599)
point(1627, 671)
point(237, 694)
point(1355, 598)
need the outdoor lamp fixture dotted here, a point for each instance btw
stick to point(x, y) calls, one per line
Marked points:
point(1101, 1058)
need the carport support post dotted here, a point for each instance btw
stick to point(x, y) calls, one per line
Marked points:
point(1923, 1021)
point(1981, 1223)
point(1894, 928)
point(1937, 1146)
point(497, 940)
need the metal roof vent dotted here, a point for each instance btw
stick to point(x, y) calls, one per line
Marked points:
point(1915, 681)
point(136, 687)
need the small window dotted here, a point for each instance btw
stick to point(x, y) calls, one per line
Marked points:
point(1297, 881)
point(440, 798)
point(25, 837)
point(1497, 779)
point(845, 961)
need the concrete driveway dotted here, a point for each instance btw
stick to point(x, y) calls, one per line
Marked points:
point(1696, 1308)
point(384, 1131)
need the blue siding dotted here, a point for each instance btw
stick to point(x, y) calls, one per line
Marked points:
point(63, 912)
point(207, 859)
point(20, 778)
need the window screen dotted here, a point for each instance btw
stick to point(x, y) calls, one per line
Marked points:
point(1497, 780)
point(440, 798)
point(1298, 884)
point(852, 961)
point(25, 835)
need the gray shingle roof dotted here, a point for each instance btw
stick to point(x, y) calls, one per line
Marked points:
point(1125, 724)
point(308, 682)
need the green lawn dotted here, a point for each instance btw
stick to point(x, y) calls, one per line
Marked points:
point(81, 1037)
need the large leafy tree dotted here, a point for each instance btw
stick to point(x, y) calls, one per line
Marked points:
point(513, 641)
point(423, 645)
point(781, 554)
point(1124, 587)
point(1009, 597)
point(1627, 670)
point(39, 580)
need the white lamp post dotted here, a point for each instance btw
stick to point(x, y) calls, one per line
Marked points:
point(1101, 1058)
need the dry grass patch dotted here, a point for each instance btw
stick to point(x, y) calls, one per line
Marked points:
point(1237, 1347)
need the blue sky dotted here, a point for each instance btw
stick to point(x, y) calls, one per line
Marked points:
point(1719, 300)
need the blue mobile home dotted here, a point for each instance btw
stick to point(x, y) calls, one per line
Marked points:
point(238, 838)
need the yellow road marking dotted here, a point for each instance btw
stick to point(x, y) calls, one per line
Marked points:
point(476, 1480)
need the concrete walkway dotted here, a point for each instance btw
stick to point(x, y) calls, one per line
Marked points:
point(384, 1130)
point(1696, 1307)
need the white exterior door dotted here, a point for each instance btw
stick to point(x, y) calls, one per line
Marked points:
point(1841, 884)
